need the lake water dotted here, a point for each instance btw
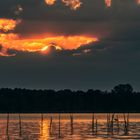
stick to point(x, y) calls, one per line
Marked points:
point(64, 127)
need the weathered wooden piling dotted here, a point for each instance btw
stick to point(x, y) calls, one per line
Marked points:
point(112, 123)
point(59, 125)
point(42, 117)
point(93, 123)
point(7, 127)
point(71, 123)
point(96, 126)
point(42, 120)
point(108, 124)
point(50, 129)
point(118, 124)
point(126, 124)
point(20, 125)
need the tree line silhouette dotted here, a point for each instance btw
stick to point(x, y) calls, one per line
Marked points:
point(121, 98)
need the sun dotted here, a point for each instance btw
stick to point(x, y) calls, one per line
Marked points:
point(45, 50)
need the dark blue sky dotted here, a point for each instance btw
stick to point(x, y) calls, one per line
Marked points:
point(114, 59)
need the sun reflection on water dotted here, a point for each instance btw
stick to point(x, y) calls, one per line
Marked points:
point(44, 130)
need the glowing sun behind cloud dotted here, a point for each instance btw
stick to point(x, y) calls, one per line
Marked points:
point(13, 41)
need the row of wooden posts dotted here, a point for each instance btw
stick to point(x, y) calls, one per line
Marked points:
point(112, 121)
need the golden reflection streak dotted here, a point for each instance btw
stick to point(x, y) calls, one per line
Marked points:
point(44, 130)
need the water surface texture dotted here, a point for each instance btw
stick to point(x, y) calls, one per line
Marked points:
point(69, 126)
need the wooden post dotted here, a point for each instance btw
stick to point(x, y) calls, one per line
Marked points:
point(71, 122)
point(51, 119)
point(112, 124)
point(19, 124)
point(59, 126)
point(42, 120)
point(108, 124)
point(93, 124)
point(42, 117)
point(96, 126)
point(118, 125)
point(7, 128)
point(126, 124)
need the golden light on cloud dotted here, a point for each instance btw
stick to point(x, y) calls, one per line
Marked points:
point(50, 2)
point(12, 41)
point(42, 44)
point(8, 24)
point(138, 1)
point(108, 3)
point(73, 4)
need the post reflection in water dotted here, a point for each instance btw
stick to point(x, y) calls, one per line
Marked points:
point(69, 126)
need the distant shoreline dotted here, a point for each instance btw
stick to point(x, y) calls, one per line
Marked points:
point(122, 99)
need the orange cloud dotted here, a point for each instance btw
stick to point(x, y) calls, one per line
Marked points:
point(12, 41)
point(138, 1)
point(50, 2)
point(8, 24)
point(108, 3)
point(73, 4)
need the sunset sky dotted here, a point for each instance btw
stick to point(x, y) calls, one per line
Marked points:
point(76, 44)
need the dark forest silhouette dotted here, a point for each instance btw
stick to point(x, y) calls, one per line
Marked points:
point(122, 98)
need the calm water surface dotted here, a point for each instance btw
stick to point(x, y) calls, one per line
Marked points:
point(64, 127)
